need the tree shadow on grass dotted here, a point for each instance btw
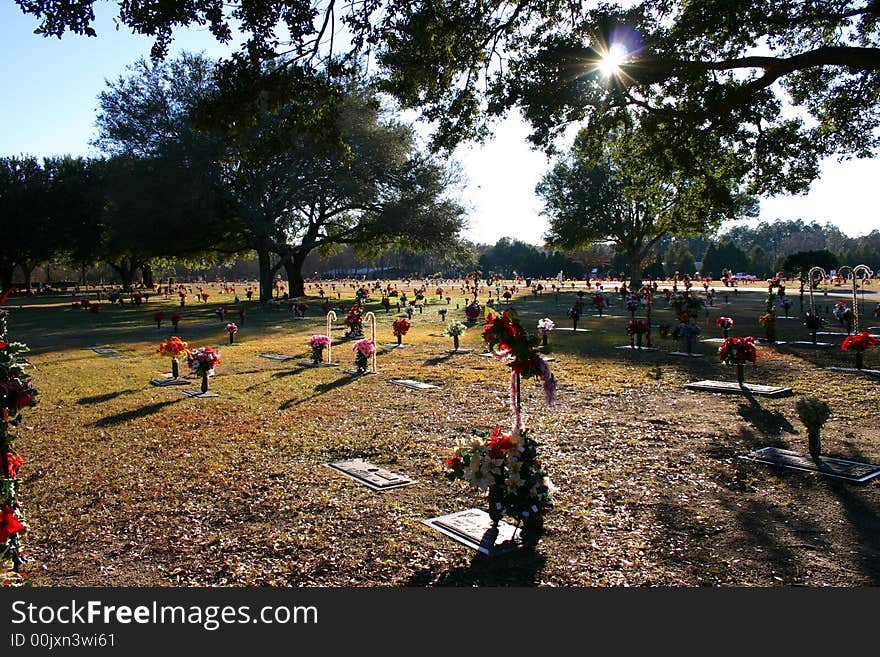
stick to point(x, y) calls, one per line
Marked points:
point(97, 399)
point(319, 389)
point(520, 568)
point(127, 416)
point(437, 360)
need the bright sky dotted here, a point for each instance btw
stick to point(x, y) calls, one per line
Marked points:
point(50, 90)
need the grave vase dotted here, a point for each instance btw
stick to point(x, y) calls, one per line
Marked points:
point(689, 344)
point(399, 340)
point(638, 340)
point(231, 337)
point(860, 359)
point(740, 375)
point(815, 443)
point(496, 495)
point(175, 368)
point(455, 342)
point(544, 340)
point(205, 381)
point(317, 355)
point(532, 529)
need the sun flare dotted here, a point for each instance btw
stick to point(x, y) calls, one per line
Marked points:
point(610, 62)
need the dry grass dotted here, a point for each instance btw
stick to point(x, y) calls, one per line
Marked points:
point(128, 484)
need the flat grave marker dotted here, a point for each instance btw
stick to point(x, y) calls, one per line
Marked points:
point(685, 354)
point(394, 345)
point(308, 363)
point(413, 384)
point(196, 393)
point(170, 381)
point(636, 349)
point(278, 357)
point(809, 344)
point(709, 385)
point(370, 475)
point(105, 351)
point(713, 340)
point(851, 471)
point(473, 528)
point(854, 370)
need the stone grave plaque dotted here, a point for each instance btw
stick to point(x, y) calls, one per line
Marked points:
point(713, 340)
point(105, 351)
point(308, 363)
point(830, 467)
point(473, 527)
point(459, 351)
point(709, 385)
point(279, 357)
point(548, 359)
point(170, 381)
point(854, 370)
point(568, 328)
point(370, 475)
point(394, 345)
point(804, 344)
point(415, 385)
point(685, 354)
point(356, 373)
point(636, 349)
point(832, 334)
point(198, 394)
point(873, 328)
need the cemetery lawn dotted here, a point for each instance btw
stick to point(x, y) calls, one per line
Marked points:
point(126, 484)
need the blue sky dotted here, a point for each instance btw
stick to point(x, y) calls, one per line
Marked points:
point(50, 88)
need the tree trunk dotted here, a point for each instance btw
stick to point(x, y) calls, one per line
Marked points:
point(293, 264)
point(636, 267)
point(147, 273)
point(125, 269)
point(265, 263)
point(27, 270)
point(6, 272)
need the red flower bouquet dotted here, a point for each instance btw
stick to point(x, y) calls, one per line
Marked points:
point(859, 343)
point(400, 327)
point(737, 352)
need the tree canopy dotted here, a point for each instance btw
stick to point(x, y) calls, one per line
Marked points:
point(611, 188)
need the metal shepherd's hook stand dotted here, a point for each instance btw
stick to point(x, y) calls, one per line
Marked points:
point(811, 278)
point(868, 273)
point(331, 317)
point(371, 318)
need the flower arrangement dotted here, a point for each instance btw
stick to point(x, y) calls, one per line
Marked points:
point(738, 351)
point(506, 337)
point(221, 313)
point(204, 296)
point(182, 296)
point(355, 320)
point(175, 320)
point(768, 321)
point(317, 343)
point(813, 412)
point(632, 304)
point(506, 465)
point(16, 394)
point(599, 302)
point(785, 304)
point(455, 329)
point(686, 330)
point(203, 360)
point(725, 324)
point(174, 348)
point(545, 326)
point(363, 349)
point(844, 315)
point(664, 330)
point(575, 312)
point(473, 311)
point(635, 329)
point(860, 342)
point(386, 304)
point(231, 329)
point(400, 327)
point(158, 317)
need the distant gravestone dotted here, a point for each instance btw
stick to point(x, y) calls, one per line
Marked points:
point(852, 471)
point(105, 351)
point(854, 370)
point(473, 528)
point(810, 345)
point(370, 475)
